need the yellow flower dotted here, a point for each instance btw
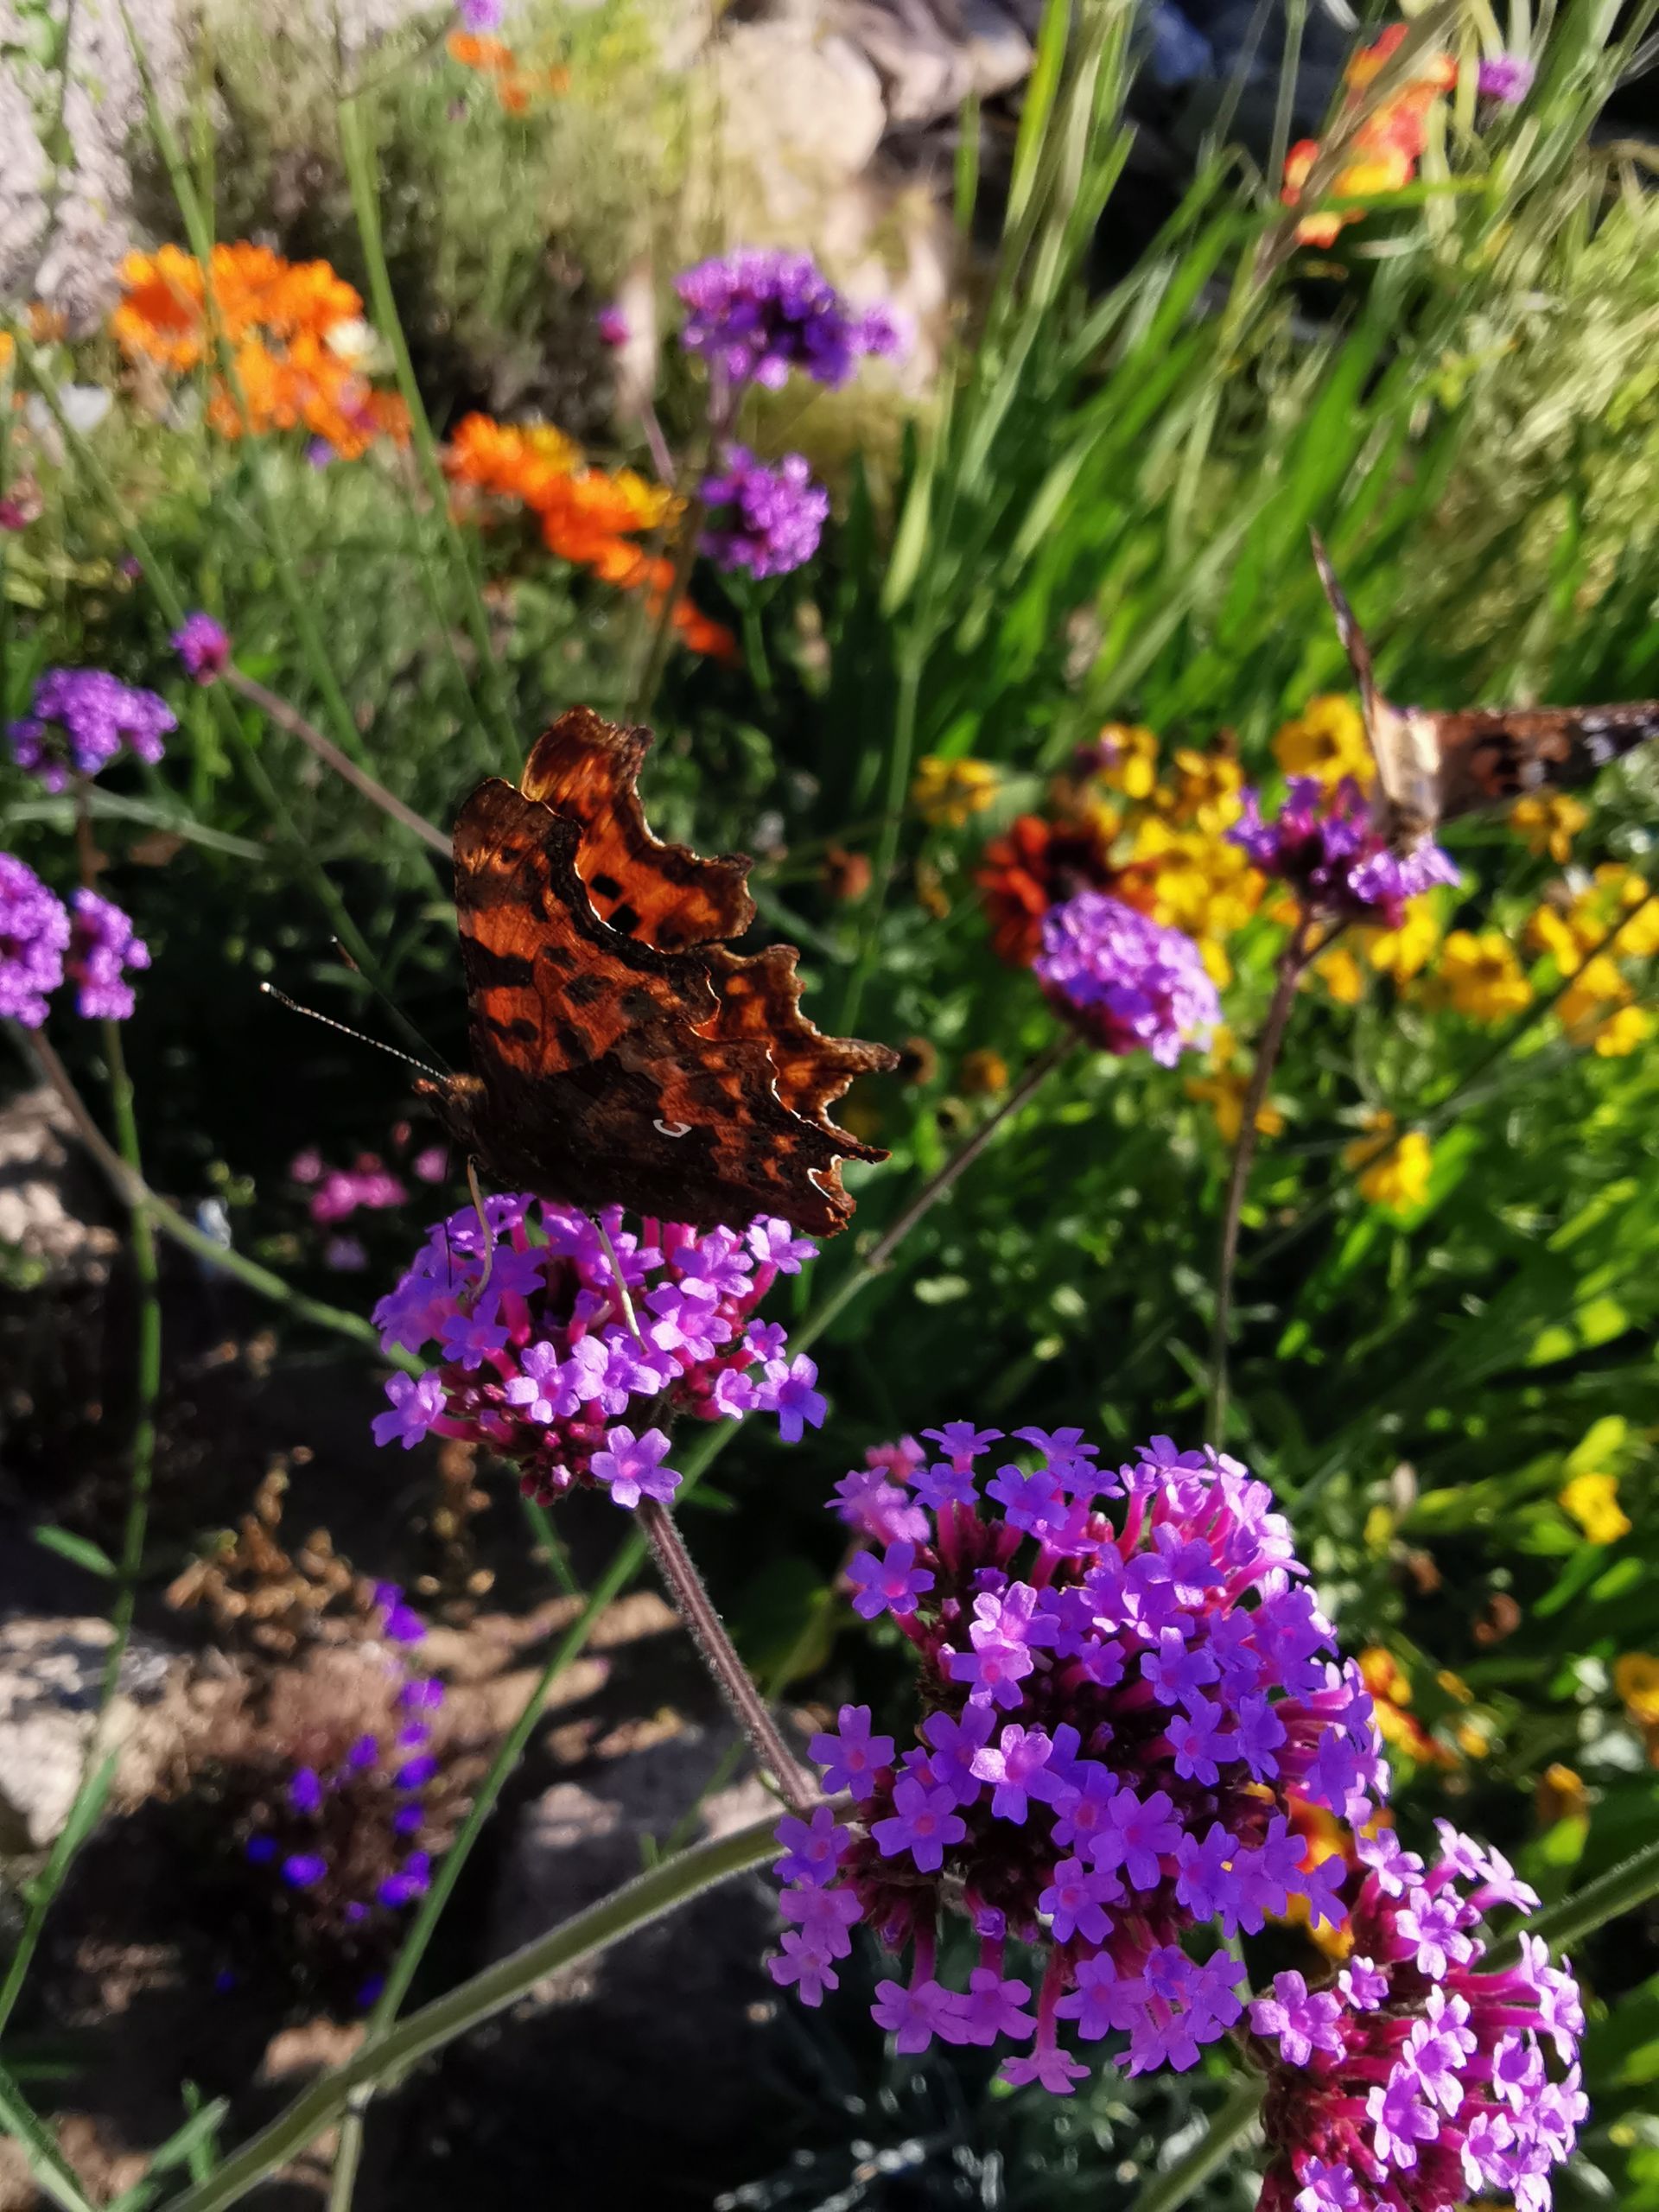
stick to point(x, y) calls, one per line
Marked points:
point(1383, 1675)
point(1396, 1169)
point(1326, 740)
point(1636, 1677)
point(1190, 880)
point(1628, 1031)
point(1478, 975)
point(1403, 952)
point(1548, 822)
point(1592, 1501)
point(982, 1073)
point(1340, 973)
point(1129, 760)
point(946, 793)
point(1206, 794)
point(1562, 1795)
point(1596, 988)
point(1632, 911)
point(1552, 933)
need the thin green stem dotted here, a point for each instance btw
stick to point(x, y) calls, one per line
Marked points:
point(662, 637)
point(357, 154)
point(290, 719)
point(46, 2162)
point(1621, 1889)
point(887, 851)
point(1225, 2136)
point(647, 1898)
point(133, 1191)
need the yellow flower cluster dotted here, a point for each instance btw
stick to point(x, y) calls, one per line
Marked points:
point(1178, 867)
point(1326, 740)
point(1614, 914)
point(1401, 953)
point(1548, 822)
point(1479, 976)
point(1395, 1169)
point(1592, 1499)
point(948, 793)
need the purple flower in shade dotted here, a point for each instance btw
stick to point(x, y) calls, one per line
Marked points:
point(766, 520)
point(923, 1821)
point(631, 1467)
point(868, 1502)
point(537, 1364)
point(1078, 1784)
point(755, 314)
point(305, 1790)
point(814, 1848)
point(787, 1389)
point(1328, 847)
point(1507, 77)
point(482, 15)
point(612, 325)
point(1054, 2069)
point(852, 1758)
point(302, 1869)
point(1329, 2188)
point(892, 1584)
point(416, 1405)
point(913, 2017)
point(34, 933)
point(1128, 983)
point(1302, 2022)
point(1414, 2090)
point(801, 1963)
point(79, 719)
point(102, 947)
point(203, 647)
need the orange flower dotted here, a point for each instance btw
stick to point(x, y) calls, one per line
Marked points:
point(1026, 872)
point(514, 87)
point(1383, 151)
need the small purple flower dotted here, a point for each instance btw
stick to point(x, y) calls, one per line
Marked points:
point(802, 1964)
point(1304, 2021)
point(1055, 2069)
point(953, 1746)
point(924, 1823)
point(203, 645)
point(305, 1789)
point(1329, 2188)
point(1017, 1765)
point(852, 1757)
point(102, 947)
point(417, 1403)
point(1400, 2119)
point(1135, 1835)
point(35, 931)
point(631, 1467)
point(754, 315)
point(1076, 1900)
point(1362, 1985)
point(1327, 847)
point(787, 1389)
point(995, 2007)
point(303, 1870)
point(775, 1244)
point(913, 2017)
point(1131, 984)
point(767, 520)
point(812, 1848)
point(891, 1584)
point(1507, 78)
point(482, 15)
point(612, 325)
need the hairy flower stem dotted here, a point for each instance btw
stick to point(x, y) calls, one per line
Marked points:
point(131, 1189)
point(647, 1898)
point(290, 719)
point(696, 1610)
point(1292, 962)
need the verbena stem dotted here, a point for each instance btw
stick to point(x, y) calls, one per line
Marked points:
point(290, 719)
point(640, 1902)
point(1292, 962)
point(1227, 2132)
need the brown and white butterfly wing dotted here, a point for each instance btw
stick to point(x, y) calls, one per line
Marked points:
point(1490, 755)
point(1403, 741)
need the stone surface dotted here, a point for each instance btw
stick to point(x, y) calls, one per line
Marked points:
point(51, 1676)
point(51, 1208)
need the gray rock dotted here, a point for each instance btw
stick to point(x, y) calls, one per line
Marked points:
point(52, 1208)
point(51, 1678)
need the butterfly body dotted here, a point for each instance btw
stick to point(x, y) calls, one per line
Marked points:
point(622, 1053)
point(1434, 766)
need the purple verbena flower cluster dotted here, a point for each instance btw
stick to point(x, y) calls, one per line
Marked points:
point(371, 1808)
point(1116, 1712)
point(1130, 984)
point(78, 720)
point(368, 1186)
point(766, 520)
point(203, 645)
point(34, 937)
point(544, 1353)
point(1325, 844)
point(1416, 2082)
point(756, 314)
point(91, 943)
point(103, 946)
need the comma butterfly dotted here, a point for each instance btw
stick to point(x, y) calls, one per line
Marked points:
point(1432, 767)
point(622, 1054)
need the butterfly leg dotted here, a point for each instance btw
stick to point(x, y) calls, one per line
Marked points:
point(487, 1233)
point(630, 1319)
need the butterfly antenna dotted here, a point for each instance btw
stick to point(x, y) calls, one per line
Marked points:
point(396, 1013)
point(328, 1022)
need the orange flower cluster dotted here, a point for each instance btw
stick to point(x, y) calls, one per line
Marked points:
point(515, 87)
point(294, 330)
point(589, 516)
point(1383, 152)
point(1151, 833)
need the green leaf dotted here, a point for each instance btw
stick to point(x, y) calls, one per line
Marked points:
point(80, 1549)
